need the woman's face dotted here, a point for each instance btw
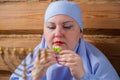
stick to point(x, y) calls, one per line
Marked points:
point(63, 31)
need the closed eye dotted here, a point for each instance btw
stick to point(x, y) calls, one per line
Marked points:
point(50, 27)
point(68, 27)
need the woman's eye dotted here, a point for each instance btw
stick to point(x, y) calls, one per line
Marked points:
point(68, 27)
point(50, 27)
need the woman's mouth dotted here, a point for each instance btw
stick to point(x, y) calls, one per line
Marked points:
point(58, 43)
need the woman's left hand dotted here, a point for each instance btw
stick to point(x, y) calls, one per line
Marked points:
point(73, 62)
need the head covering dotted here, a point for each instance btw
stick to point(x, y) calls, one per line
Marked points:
point(70, 9)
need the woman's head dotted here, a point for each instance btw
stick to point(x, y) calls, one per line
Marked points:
point(70, 9)
point(63, 24)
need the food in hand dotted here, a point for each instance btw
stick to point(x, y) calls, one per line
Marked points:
point(57, 49)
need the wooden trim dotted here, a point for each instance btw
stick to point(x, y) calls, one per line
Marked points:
point(86, 31)
point(5, 73)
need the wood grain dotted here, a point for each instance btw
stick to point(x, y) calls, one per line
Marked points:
point(29, 15)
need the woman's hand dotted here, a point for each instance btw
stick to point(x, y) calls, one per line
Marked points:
point(45, 59)
point(73, 62)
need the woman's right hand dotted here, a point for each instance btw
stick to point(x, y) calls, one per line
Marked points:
point(45, 59)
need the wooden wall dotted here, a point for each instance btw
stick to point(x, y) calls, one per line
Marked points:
point(21, 25)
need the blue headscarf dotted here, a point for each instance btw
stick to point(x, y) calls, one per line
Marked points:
point(70, 9)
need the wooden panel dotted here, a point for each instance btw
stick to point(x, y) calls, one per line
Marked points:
point(19, 42)
point(4, 78)
point(18, 15)
point(101, 15)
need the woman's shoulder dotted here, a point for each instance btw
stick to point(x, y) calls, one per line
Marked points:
point(93, 49)
point(94, 53)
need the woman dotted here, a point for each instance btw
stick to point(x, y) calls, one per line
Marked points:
point(78, 60)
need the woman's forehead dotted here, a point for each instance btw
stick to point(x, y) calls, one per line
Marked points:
point(61, 18)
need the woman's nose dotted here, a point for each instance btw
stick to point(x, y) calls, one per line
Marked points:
point(59, 32)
